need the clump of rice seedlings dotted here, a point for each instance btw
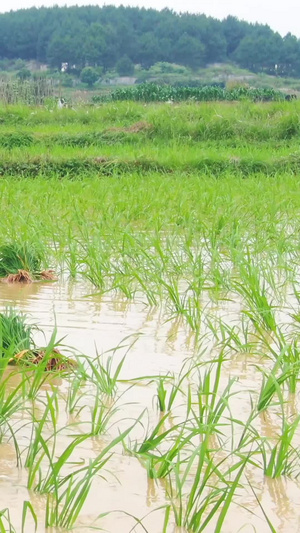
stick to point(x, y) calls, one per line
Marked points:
point(52, 359)
point(21, 277)
point(66, 493)
point(17, 345)
point(15, 333)
point(104, 374)
point(48, 358)
point(254, 291)
point(211, 492)
point(285, 371)
point(15, 257)
point(22, 263)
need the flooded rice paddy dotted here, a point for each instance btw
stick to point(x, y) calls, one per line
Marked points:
point(97, 324)
point(177, 252)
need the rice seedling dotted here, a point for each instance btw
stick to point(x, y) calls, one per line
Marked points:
point(103, 374)
point(211, 492)
point(5, 522)
point(161, 394)
point(159, 464)
point(74, 395)
point(10, 402)
point(153, 439)
point(209, 406)
point(236, 338)
point(272, 528)
point(28, 509)
point(63, 509)
point(272, 382)
point(101, 414)
point(69, 494)
point(281, 458)
point(260, 312)
point(160, 450)
point(72, 258)
point(35, 451)
point(169, 387)
point(53, 478)
point(286, 368)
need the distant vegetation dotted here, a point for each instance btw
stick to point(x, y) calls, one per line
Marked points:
point(121, 37)
point(155, 93)
point(24, 89)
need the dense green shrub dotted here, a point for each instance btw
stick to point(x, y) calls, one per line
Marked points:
point(89, 76)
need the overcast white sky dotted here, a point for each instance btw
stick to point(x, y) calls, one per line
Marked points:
point(282, 16)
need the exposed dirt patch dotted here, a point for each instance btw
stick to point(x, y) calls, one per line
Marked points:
point(101, 160)
point(134, 128)
point(139, 126)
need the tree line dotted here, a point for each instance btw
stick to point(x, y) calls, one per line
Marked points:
point(101, 36)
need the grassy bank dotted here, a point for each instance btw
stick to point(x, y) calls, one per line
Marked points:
point(242, 138)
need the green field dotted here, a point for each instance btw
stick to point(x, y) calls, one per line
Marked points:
point(187, 215)
point(241, 138)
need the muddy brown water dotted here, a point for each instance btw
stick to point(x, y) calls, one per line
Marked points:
point(100, 323)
